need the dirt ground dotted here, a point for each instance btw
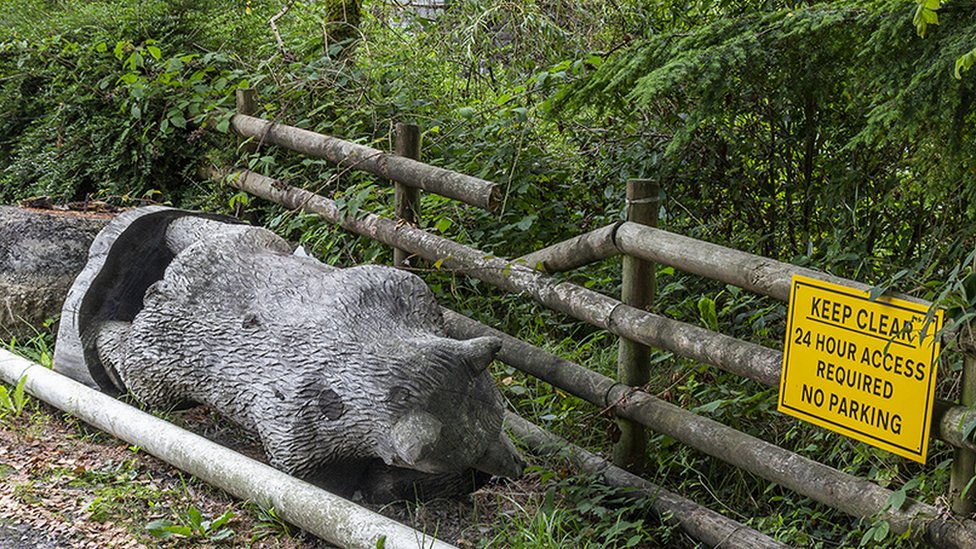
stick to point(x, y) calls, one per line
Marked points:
point(64, 484)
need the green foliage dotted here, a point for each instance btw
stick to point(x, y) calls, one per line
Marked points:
point(268, 523)
point(38, 348)
point(964, 63)
point(926, 13)
point(809, 133)
point(577, 512)
point(707, 314)
point(193, 525)
point(13, 402)
point(117, 111)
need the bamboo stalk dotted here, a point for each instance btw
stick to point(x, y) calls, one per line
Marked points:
point(578, 251)
point(732, 355)
point(749, 271)
point(334, 519)
point(247, 103)
point(467, 189)
point(700, 522)
point(637, 290)
point(852, 495)
point(406, 199)
point(964, 460)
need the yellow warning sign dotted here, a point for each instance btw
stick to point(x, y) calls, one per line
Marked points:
point(863, 368)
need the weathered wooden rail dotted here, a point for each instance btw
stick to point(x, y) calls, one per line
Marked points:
point(410, 172)
point(628, 319)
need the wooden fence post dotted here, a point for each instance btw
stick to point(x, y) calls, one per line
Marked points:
point(247, 103)
point(406, 199)
point(643, 205)
point(964, 461)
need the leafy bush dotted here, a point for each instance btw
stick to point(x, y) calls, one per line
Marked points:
point(120, 103)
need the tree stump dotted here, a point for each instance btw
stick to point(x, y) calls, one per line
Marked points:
point(41, 252)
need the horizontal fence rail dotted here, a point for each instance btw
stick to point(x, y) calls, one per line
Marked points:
point(464, 188)
point(742, 358)
point(576, 252)
point(748, 271)
point(852, 495)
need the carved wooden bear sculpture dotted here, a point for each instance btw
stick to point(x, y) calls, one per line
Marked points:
point(345, 375)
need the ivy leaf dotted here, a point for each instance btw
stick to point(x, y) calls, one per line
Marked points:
point(709, 407)
point(526, 222)
point(897, 499)
point(443, 224)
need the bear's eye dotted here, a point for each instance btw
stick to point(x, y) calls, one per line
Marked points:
point(330, 404)
point(397, 395)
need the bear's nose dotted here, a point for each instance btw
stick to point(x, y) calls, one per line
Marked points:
point(501, 459)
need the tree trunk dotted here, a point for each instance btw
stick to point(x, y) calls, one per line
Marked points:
point(342, 18)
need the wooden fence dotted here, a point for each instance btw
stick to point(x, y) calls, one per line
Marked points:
point(643, 246)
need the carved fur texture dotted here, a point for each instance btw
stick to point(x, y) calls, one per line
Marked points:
point(345, 375)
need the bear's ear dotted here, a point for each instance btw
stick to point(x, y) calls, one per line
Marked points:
point(413, 437)
point(478, 353)
point(471, 356)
